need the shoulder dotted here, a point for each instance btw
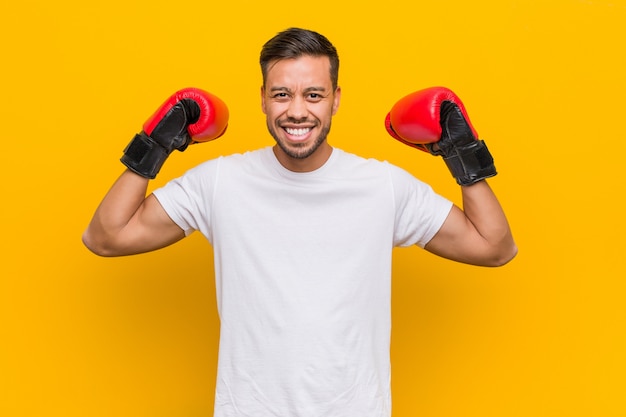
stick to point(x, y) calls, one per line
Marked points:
point(231, 161)
point(353, 162)
point(373, 166)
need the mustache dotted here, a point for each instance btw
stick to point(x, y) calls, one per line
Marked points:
point(296, 121)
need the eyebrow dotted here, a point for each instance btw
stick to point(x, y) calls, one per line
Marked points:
point(306, 90)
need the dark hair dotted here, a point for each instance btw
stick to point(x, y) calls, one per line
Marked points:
point(294, 43)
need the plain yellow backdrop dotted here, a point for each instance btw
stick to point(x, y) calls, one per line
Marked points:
point(544, 84)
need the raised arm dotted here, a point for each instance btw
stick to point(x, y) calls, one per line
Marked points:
point(478, 234)
point(126, 221)
point(434, 120)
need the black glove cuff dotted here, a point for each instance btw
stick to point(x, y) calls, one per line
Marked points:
point(471, 163)
point(144, 156)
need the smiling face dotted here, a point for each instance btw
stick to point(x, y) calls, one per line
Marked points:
point(299, 102)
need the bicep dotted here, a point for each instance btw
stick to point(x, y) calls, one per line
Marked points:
point(459, 240)
point(149, 229)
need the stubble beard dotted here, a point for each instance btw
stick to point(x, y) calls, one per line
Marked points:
point(299, 150)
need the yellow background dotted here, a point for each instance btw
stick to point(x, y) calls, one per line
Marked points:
point(544, 84)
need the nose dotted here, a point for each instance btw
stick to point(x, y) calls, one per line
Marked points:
point(297, 109)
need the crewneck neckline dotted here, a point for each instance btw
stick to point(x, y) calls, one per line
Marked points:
point(284, 172)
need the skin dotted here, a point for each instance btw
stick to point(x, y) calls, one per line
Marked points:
point(299, 102)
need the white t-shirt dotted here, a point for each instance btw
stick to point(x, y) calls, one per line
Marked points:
point(303, 277)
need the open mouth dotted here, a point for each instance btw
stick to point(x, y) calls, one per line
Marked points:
point(301, 131)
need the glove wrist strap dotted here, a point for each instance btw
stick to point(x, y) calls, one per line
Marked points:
point(471, 163)
point(144, 156)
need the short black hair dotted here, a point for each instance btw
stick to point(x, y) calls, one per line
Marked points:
point(295, 42)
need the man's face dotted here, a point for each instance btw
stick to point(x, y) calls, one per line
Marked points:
point(299, 101)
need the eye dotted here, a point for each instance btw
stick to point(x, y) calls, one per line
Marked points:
point(314, 97)
point(280, 97)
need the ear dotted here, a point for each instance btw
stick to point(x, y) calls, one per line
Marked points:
point(263, 99)
point(336, 100)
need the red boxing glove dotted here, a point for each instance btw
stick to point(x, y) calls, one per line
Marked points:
point(189, 116)
point(435, 120)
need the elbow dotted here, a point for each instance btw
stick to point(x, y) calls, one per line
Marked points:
point(504, 256)
point(96, 246)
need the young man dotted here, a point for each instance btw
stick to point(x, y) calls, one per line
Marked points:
point(303, 232)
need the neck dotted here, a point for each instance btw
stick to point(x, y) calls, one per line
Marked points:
point(312, 162)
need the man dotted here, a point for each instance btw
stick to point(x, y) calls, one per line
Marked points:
point(303, 232)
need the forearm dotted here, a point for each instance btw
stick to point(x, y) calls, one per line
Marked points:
point(115, 211)
point(483, 210)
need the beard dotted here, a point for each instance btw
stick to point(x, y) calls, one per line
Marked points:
point(299, 150)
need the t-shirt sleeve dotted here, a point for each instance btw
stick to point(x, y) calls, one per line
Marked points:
point(420, 211)
point(187, 199)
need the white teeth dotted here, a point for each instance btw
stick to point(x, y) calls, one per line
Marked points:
point(297, 132)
